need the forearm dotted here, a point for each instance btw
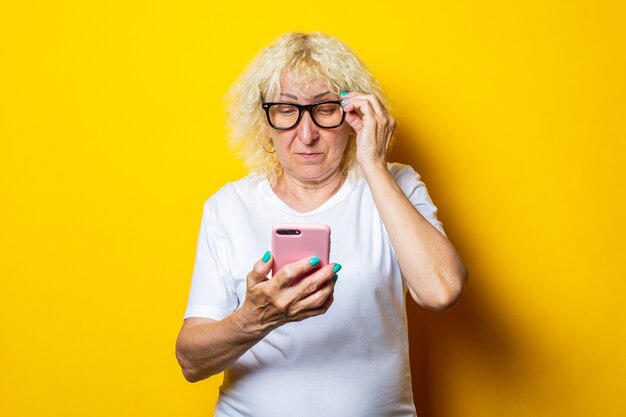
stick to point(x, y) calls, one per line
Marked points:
point(207, 349)
point(430, 264)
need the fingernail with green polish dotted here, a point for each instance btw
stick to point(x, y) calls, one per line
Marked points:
point(343, 93)
point(267, 256)
point(335, 278)
point(336, 268)
point(343, 101)
point(314, 261)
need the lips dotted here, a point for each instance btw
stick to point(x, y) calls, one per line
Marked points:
point(308, 156)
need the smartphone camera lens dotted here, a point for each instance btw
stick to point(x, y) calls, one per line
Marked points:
point(288, 232)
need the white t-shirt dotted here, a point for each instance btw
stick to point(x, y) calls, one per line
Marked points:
point(351, 361)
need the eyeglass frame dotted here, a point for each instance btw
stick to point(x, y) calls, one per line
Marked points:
point(301, 109)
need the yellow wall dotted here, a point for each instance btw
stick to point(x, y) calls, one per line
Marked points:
point(111, 138)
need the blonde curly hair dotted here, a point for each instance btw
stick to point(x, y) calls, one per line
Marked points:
point(304, 58)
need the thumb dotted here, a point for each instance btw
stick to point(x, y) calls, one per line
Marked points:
point(261, 268)
point(354, 120)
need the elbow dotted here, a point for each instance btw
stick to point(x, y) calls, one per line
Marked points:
point(448, 293)
point(190, 372)
point(191, 376)
point(197, 363)
point(444, 301)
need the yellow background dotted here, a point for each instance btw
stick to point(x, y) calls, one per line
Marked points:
point(111, 130)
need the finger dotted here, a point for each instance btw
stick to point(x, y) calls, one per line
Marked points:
point(385, 123)
point(314, 282)
point(376, 104)
point(355, 121)
point(260, 270)
point(291, 271)
point(353, 115)
point(371, 98)
point(383, 118)
point(373, 110)
point(314, 311)
point(362, 106)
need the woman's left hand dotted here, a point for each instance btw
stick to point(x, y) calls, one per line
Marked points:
point(373, 125)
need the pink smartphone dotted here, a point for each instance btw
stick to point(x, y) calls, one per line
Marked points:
point(292, 242)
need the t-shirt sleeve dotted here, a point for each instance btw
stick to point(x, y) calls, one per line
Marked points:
point(410, 182)
point(212, 294)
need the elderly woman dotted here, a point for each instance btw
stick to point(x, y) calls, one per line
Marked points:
point(312, 125)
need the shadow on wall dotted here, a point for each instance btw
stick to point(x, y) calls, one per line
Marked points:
point(470, 329)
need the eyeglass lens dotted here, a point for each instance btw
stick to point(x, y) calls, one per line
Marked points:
point(324, 114)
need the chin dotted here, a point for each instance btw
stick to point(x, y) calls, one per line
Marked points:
point(312, 174)
point(317, 172)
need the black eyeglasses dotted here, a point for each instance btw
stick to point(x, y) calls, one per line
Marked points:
point(285, 116)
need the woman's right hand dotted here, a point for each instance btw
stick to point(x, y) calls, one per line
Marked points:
point(206, 347)
point(285, 298)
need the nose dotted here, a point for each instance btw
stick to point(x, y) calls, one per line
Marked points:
point(308, 132)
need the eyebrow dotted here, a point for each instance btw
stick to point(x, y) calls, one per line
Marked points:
point(295, 98)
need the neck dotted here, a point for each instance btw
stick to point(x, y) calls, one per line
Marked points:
point(305, 195)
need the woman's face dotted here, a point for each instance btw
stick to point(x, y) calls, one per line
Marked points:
point(309, 153)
